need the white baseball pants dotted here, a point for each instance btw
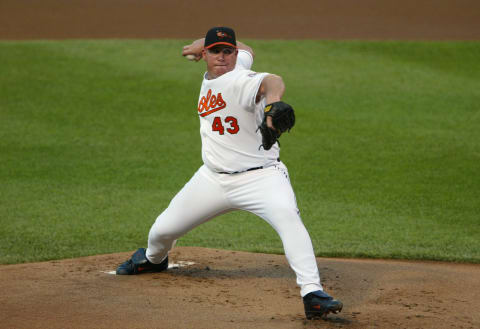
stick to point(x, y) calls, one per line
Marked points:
point(265, 192)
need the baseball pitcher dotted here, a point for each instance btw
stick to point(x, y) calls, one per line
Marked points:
point(241, 118)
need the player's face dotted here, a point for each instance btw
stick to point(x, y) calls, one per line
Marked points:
point(220, 60)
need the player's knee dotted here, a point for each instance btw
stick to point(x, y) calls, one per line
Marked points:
point(285, 217)
point(286, 210)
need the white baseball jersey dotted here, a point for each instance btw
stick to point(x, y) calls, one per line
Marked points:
point(229, 120)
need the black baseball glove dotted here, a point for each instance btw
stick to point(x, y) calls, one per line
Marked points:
point(283, 119)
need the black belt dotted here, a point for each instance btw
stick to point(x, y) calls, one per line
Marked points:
point(249, 169)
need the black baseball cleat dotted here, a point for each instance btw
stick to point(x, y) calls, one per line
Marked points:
point(139, 263)
point(318, 304)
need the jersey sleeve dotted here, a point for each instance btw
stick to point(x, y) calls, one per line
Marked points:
point(247, 86)
point(244, 60)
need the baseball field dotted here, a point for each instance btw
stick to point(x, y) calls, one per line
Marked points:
point(98, 132)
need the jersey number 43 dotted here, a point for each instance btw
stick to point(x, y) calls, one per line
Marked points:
point(231, 125)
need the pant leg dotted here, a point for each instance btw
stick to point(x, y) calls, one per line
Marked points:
point(269, 194)
point(201, 199)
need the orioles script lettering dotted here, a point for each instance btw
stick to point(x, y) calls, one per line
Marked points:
point(211, 103)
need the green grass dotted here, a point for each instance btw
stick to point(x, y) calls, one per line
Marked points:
point(96, 137)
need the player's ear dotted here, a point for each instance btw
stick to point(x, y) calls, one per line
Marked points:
point(204, 54)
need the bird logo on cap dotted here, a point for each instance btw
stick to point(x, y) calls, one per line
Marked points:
point(222, 35)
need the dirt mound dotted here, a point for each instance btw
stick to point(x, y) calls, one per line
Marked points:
point(228, 289)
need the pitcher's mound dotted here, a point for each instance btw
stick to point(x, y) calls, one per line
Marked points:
point(211, 288)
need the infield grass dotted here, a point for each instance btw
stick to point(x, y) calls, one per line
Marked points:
point(96, 137)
